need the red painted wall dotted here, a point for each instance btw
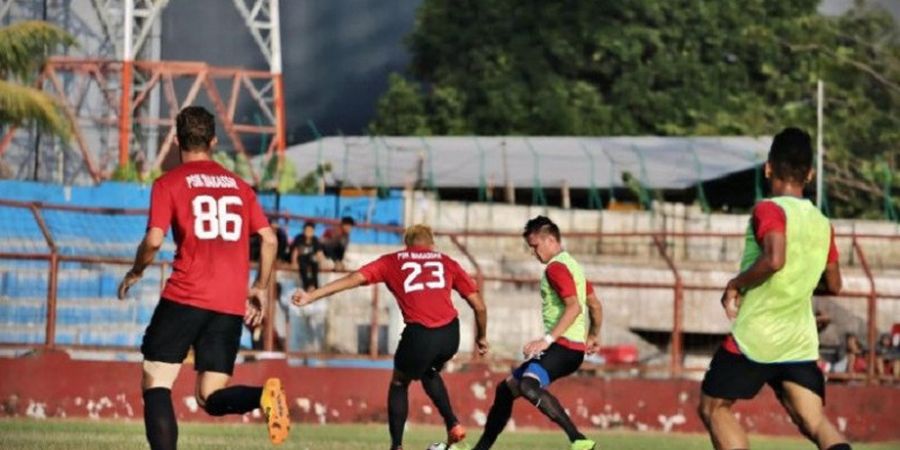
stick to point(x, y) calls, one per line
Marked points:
point(52, 385)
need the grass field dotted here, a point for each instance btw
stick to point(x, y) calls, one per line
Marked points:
point(79, 434)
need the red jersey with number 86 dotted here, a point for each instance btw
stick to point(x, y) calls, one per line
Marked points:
point(421, 280)
point(212, 213)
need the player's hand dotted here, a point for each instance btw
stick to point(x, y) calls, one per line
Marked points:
point(731, 301)
point(126, 283)
point(481, 344)
point(534, 348)
point(592, 345)
point(302, 298)
point(256, 306)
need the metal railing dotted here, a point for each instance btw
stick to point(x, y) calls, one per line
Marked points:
point(661, 241)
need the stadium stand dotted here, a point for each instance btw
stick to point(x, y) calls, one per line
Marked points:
point(87, 312)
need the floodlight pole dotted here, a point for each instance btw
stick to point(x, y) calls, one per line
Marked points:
point(820, 118)
point(127, 77)
point(275, 68)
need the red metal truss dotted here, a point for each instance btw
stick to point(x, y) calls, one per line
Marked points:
point(106, 76)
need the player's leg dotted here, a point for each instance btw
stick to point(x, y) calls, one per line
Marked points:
point(445, 341)
point(500, 412)
point(725, 431)
point(160, 424)
point(218, 399)
point(556, 362)
point(730, 377)
point(411, 360)
point(165, 345)
point(802, 393)
point(398, 407)
point(216, 349)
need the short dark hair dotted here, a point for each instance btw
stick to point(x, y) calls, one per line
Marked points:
point(541, 224)
point(791, 155)
point(347, 220)
point(196, 128)
point(309, 225)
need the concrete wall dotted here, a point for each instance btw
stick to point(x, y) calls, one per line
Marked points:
point(675, 218)
point(105, 390)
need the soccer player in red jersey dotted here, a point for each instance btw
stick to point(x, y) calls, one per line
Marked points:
point(420, 279)
point(211, 212)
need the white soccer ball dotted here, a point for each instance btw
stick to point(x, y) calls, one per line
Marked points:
point(437, 446)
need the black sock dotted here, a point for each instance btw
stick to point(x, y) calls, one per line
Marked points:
point(398, 408)
point(842, 446)
point(434, 387)
point(159, 419)
point(549, 405)
point(233, 400)
point(497, 418)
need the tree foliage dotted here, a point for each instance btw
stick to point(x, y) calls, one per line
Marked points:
point(659, 67)
point(23, 48)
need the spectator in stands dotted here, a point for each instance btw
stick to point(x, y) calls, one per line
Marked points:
point(855, 354)
point(887, 361)
point(306, 252)
point(335, 241)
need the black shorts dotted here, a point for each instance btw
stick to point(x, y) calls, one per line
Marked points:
point(732, 376)
point(423, 349)
point(554, 363)
point(175, 327)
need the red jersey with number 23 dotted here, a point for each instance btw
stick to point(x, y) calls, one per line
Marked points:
point(421, 280)
point(212, 213)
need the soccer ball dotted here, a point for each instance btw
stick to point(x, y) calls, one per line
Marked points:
point(437, 446)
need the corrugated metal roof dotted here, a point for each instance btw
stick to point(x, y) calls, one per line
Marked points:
point(659, 162)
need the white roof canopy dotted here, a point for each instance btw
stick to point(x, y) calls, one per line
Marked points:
point(469, 162)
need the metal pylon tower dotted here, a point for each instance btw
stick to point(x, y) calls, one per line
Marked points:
point(122, 99)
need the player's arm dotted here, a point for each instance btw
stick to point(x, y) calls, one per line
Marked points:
point(563, 283)
point(301, 297)
point(770, 261)
point(595, 312)
point(833, 279)
point(832, 275)
point(259, 292)
point(480, 309)
point(573, 309)
point(768, 222)
point(268, 251)
point(468, 289)
point(144, 256)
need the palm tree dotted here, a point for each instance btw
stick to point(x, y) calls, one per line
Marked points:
point(23, 48)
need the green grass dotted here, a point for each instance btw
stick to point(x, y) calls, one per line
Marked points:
point(80, 434)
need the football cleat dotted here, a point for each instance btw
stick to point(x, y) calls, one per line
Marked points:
point(584, 444)
point(273, 404)
point(455, 434)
